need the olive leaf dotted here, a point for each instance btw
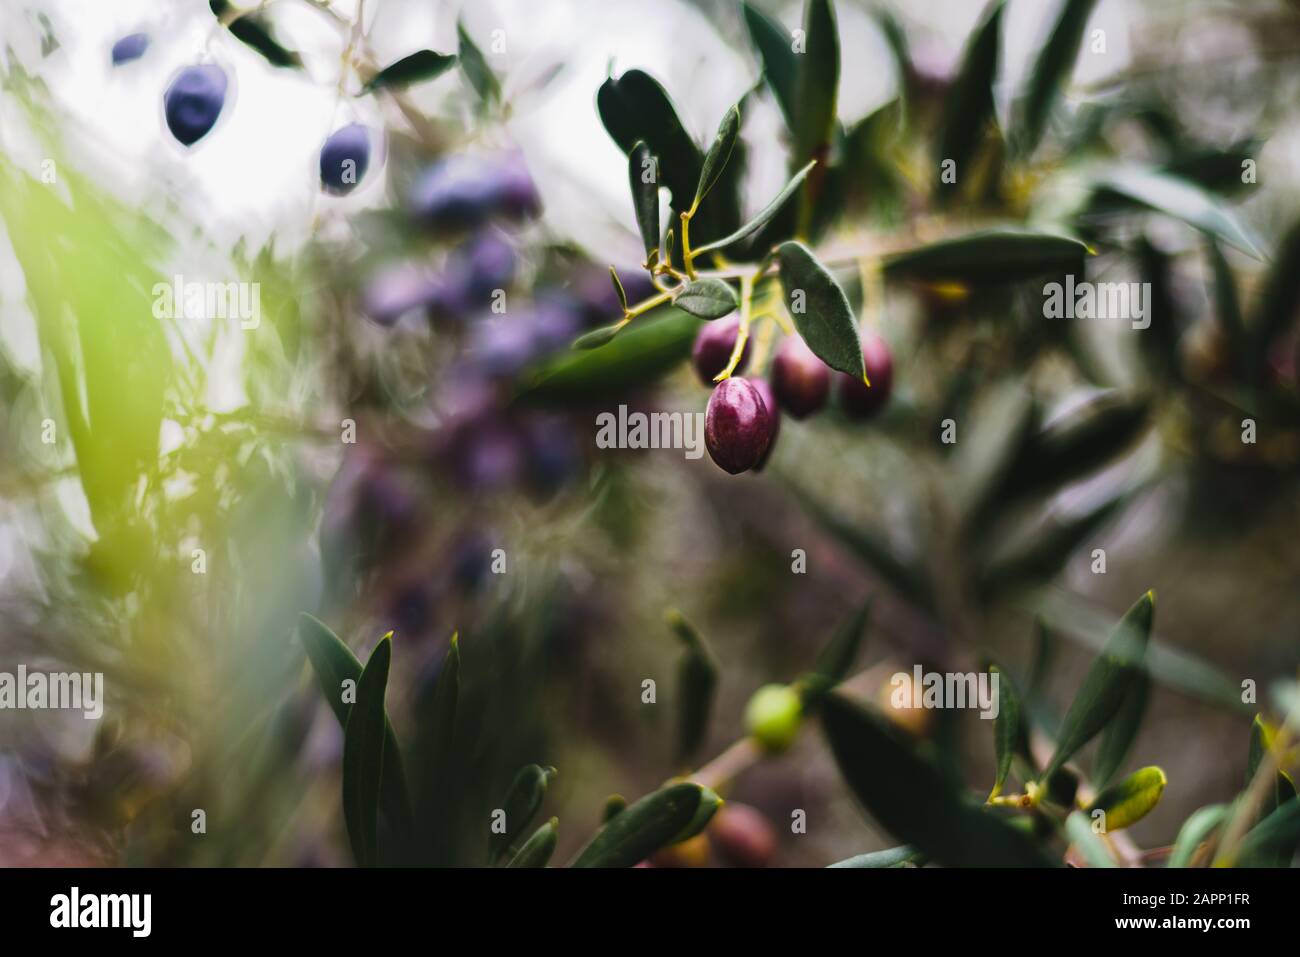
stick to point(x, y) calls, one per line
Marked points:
point(707, 298)
point(715, 161)
point(1261, 742)
point(763, 217)
point(816, 82)
point(1107, 682)
point(697, 680)
point(521, 805)
point(363, 755)
point(1078, 829)
point(1054, 63)
point(1128, 801)
point(474, 65)
point(415, 68)
point(598, 337)
point(645, 195)
point(1118, 737)
point(820, 309)
point(837, 657)
point(1163, 193)
point(780, 63)
point(635, 108)
point(252, 30)
point(647, 349)
point(334, 663)
point(989, 256)
point(893, 857)
point(968, 107)
point(1227, 306)
point(1009, 735)
point(1199, 826)
point(914, 800)
point(650, 824)
point(537, 850)
point(1272, 842)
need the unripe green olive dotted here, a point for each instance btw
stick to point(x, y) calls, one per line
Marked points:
point(773, 716)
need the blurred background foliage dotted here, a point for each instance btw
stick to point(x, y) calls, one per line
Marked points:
point(474, 431)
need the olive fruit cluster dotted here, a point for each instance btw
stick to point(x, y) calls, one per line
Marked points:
point(743, 416)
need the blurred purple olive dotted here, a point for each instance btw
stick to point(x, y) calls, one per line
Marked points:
point(193, 101)
point(130, 47)
point(396, 291)
point(465, 190)
point(344, 159)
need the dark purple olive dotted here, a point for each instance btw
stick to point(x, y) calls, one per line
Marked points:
point(769, 401)
point(396, 291)
point(130, 47)
point(344, 159)
point(713, 346)
point(800, 381)
point(857, 399)
point(742, 836)
point(194, 100)
point(737, 425)
point(517, 195)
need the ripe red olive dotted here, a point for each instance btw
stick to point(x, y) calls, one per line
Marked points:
point(737, 425)
point(800, 381)
point(712, 349)
point(857, 399)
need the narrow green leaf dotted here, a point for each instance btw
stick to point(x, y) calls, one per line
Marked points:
point(893, 857)
point(836, 658)
point(618, 288)
point(1227, 305)
point(780, 63)
point(707, 298)
point(896, 38)
point(643, 176)
point(1272, 842)
point(1086, 841)
point(968, 107)
point(817, 82)
point(523, 801)
point(1128, 801)
point(1195, 830)
point(642, 828)
point(537, 850)
point(765, 216)
point(475, 67)
point(697, 680)
point(715, 161)
point(704, 811)
point(1108, 680)
point(1008, 730)
point(1163, 193)
point(334, 663)
point(914, 800)
point(820, 309)
point(1261, 740)
point(598, 337)
point(363, 756)
point(1118, 737)
point(1052, 68)
point(651, 346)
point(990, 256)
point(416, 68)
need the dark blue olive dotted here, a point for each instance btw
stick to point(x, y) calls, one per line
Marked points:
point(130, 47)
point(344, 159)
point(193, 101)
